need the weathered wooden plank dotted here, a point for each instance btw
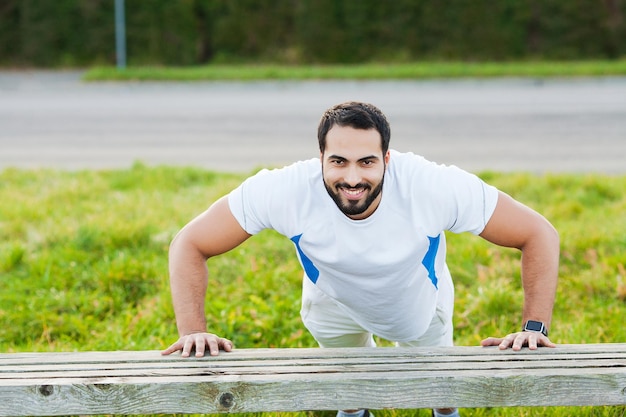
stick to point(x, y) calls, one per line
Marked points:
point(134, 370)
point(300, 393)
point(245, 357)
point(151, 361)
point(232, 360)
point(315, 353)
point(250, 380)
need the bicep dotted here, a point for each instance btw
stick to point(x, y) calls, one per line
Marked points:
point(513, 224)
point(214, 231)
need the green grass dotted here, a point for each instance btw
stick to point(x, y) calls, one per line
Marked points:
point(83, 266)
point(375, 71)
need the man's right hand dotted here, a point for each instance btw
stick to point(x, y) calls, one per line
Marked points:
point(199, 341)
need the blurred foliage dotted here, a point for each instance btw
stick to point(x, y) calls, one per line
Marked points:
point(66, 33)
point(83, 262)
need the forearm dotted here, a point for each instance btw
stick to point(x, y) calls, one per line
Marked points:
point(540, 264)
point(188, 284)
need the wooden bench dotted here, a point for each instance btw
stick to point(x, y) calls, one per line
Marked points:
point(252, 380)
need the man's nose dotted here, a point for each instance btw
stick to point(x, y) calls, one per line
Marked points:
point(353, 176)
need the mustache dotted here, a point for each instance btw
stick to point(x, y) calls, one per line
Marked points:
point(352, 187)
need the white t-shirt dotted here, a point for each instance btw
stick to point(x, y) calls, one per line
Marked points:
point(383, 270)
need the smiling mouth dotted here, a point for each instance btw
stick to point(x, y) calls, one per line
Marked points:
point(353, 193)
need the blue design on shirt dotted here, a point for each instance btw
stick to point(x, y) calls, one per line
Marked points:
point(429, 259)
point(311, 271)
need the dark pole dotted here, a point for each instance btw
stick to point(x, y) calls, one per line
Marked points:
point(120, 34)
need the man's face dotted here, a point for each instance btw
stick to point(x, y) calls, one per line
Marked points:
point(353, 167)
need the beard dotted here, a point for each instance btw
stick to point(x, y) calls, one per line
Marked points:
point(354, 207)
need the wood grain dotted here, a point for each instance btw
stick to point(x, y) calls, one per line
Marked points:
point(251, 380)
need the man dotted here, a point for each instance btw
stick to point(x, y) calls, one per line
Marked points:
point(368, 227)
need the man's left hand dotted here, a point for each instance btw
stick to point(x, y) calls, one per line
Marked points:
point(518, 340)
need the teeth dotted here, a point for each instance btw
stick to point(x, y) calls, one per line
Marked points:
point(353, 192)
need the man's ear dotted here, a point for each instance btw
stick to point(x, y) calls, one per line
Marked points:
point(387, 157)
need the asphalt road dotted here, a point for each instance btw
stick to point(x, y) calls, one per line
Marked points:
point(50, 119)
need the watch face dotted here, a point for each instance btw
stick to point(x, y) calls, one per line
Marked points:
point(535, 326)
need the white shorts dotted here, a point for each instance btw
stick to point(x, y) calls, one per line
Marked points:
point(332, 327)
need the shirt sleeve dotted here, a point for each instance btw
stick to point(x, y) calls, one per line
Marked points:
point(274, 199)
point(473, 202)
point(249, 205)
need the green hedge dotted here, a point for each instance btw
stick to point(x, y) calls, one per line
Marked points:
point(46, 33)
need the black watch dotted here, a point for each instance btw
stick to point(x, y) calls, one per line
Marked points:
point(535, 326)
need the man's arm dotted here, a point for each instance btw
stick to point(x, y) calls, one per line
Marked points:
point(211, 233)
point(516, 225)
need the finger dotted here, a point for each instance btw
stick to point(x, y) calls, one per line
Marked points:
point(520, 339)
point(508, 341)
point(214, 346)
point(544, 341)
point(200, 343)
point(219, 343)
point(227, 345)
point(491, 341)
point(532, 342)
point(188, 346)
point(171, 349)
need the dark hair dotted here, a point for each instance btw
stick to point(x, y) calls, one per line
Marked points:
point(356, 115)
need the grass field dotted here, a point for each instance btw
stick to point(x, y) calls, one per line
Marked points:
point(83, 266)
point(373, 71)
